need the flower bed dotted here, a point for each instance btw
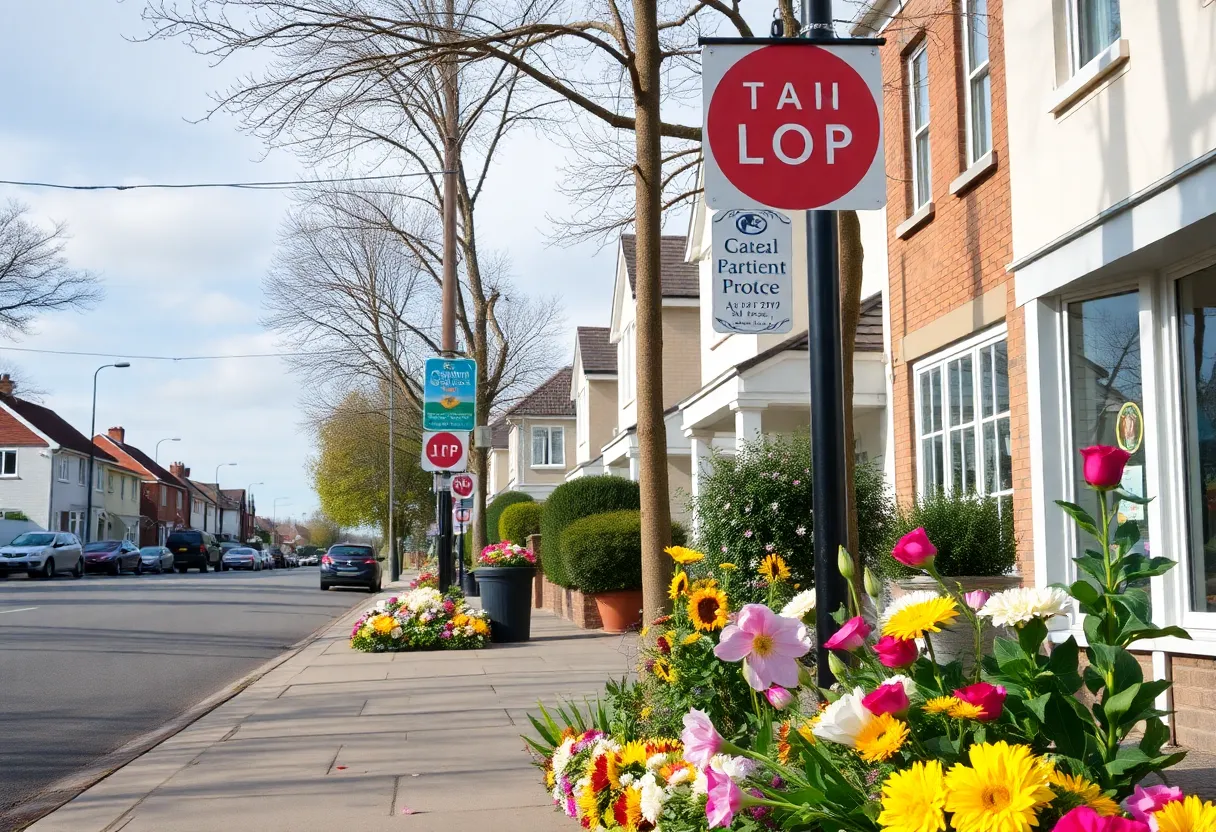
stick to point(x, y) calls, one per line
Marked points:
point(421, 619)
point(506, 553)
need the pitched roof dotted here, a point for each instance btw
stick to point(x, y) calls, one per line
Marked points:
point(680, 279)
point(195, 489)
point(869, 336)
point(597, 352)
point(233, 497)
point(500, 434)
point(550, 398)
point(53, 425)
point(142, 459)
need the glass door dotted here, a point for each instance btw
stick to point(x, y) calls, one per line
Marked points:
point(1197, 331)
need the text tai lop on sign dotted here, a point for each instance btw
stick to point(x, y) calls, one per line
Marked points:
point(444, 451)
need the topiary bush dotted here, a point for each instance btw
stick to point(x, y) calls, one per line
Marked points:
point(518, 521)
point(497, 506)
point(603, 552)
point(575, 500)
point(972, 534)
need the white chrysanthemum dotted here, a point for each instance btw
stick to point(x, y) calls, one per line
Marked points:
point(679, 776)
point(1015, 607)
point(561, 756)
point(800, 605)
point(736, 768)
point(603, 745)
point(656, 760)
point(395, 633)
point(626, 779)
point(653, 797)
point(700, 784)
point(844, 719)
point(906, 600)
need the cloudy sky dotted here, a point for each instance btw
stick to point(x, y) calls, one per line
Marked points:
point(182, 269)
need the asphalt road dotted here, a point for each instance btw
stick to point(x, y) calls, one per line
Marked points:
point(88, 665)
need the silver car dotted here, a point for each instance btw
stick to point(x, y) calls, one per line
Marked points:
point(42, 555)
point(157, 559)
point(242, 557)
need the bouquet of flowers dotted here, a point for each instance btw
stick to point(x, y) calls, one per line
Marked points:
point(506, 553)
point(421, 619)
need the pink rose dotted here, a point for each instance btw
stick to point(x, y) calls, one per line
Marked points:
point(779, 697)
point(724, 799)
point(896, 652)
point(990, 698)
point(851, 635)
point(1143, 802)
point(977, 598)
point(1085, 819)
point(914, 549)
point(890, 698)
point(701, 740)
point(1104, 466)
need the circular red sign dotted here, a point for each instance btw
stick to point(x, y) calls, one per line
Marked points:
point(793, 127)
point(443, 450)
point(462, 486)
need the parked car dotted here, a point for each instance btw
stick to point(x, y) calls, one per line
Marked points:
point(268, 561)
point(113, 556)
point(42, 555)
point(242, 557)
point(351, 564)
point(292, 560)
point(193, 549)
point(225, 545)
point(308, 560)
point(156, 559)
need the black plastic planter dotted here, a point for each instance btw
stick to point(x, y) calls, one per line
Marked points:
point(506, 594)
point(468, 585)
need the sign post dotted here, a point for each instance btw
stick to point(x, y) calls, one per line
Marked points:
point(796, 125)
point(445, 452)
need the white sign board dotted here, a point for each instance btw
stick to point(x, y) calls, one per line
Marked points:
point(793, 125)
point(445, 451)
point(752, 271)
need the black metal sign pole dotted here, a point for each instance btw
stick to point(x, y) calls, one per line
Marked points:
point(445, 531)
point(827, 396)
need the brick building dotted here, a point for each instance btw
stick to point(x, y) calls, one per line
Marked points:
point(164, 501)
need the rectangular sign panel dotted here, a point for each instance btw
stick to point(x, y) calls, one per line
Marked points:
point(449, 394)
point(752, 283)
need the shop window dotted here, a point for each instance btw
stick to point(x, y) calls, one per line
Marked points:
point(1197, 314)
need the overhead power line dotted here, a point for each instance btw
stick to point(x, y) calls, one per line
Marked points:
point(252, 186)
point(167, 357)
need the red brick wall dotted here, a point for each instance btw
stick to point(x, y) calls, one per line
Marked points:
point(961, 253)
point(1194, 714)
point(14, 434)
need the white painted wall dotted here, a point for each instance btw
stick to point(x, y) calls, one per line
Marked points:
point(30, 490)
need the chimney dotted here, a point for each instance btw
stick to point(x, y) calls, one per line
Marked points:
point(118, 434)
point(177, 469)
point(6, 385)
point(185, 472)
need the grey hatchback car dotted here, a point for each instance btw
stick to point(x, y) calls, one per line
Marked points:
point(351, 564)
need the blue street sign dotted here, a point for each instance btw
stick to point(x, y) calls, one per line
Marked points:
point(449, 394)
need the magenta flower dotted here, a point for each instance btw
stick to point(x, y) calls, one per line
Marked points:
point(701, 740)
point(914, 549)
point(1085, 819)
point(769, 645)
point(724, 800)
point(851, 635)
point(779, 697)
point(1145, 802)
point(977, 598)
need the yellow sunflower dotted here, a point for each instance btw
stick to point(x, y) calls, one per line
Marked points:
point(663, 670)
point(691, 638)
point(914, 620)
point(914, 800)
point(727, 567)
point(999, 792)
point(807, 726)
point(1189, 815)
point(965, 710)
point(683, 555)
point(1086, 792)
point(773, 569)
point(634, 753)
point(707, 609)
point(589, 806)
point(881, 738)
point(679, 585)
point(941, 704)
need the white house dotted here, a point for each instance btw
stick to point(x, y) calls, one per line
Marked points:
point(593, 389)
point(533, 443)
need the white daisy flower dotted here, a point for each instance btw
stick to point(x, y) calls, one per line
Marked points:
point(844, 719)
point(1015, 607)
point(800, 605)
point(395, 633)
point(653, 798)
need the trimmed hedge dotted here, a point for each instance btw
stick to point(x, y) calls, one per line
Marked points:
point(495, 509)
point(603, 552)
point(575, 500)
point(973, 536)
point(518, 521)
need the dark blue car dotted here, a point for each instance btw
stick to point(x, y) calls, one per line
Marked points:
point(351, 564)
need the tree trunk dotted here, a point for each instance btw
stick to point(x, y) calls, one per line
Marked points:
point(851, 256)
point(652, 436)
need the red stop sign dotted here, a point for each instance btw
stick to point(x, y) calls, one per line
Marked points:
point(462, 486)
point(793, 127)
point(444, 450)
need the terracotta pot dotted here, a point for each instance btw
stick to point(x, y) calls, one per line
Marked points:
point(620, 611)
point(958, 641)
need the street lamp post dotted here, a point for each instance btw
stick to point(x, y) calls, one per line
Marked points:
point(274, 516)
point(219, 495)
point(156, 455)
point(88, 511)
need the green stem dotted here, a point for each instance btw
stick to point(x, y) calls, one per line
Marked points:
point(937, 671)
point(1108, 567)
point(971, 615)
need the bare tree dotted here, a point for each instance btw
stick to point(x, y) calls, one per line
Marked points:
point(34, 273)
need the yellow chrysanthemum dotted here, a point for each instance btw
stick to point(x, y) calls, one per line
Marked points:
point(707, 609)
point(881, 738)
point(663, 670)
point(634, 753)
point(679, 585)
point(1086, 792)
point(807, 726)
point(1189, 815)
point(914, 800)
point(480, 626)
point(460, 620)
point(940, 704)
point(683, 555)
point(691, 638)
point(588, 806)
point(773, 569)
point(550, 778)
point(914, 620)
point(999, 791)
point(383, 624)
point(965, 710)
point(727, 567)
point(647, 711)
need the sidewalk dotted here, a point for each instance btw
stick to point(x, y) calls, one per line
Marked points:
point(334, 740)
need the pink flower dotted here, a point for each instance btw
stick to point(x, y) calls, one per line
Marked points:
point(768, 644)
point(1085, 819)
point(1104, 465)
point(914, 549)
point(779, 697)
point(701, 740)
point(851, 635)
point(1143, 802)
point(896, 652)
point(724, 801)
point(890, 698)
point(977, 598)
point(991, 698)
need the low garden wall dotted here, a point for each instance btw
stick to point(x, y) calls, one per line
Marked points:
point(569, 604)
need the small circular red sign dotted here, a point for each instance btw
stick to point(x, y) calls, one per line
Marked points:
point(462, 486)
point(444, 450)
point(793, 127)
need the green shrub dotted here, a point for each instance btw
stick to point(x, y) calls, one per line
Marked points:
point(497, 506)
point(518, 521)
point(575, 500)
point(603, 552)
point(972, 534)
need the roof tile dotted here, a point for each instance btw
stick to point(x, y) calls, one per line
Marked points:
point(550, 398)
point(597, 352)
point(680, 279)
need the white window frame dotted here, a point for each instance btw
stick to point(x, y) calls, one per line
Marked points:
point(628, 373)
point(98, 478)
point(16, 464)
point(110, 482)
point(1073, 16)
point(179, 499)
point(972, 74)
point(548, 431)
point(134, 490)
point(63, 471)
point(164, 496)
point(915, 131)
point(972, 346)
point(82, 472)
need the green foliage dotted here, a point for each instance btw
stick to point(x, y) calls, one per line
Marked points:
point(495, 509)
point(603, 552)
point(572, 501)
point(970, 533)
point(16, 515)
point(518, 521)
